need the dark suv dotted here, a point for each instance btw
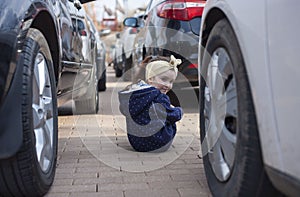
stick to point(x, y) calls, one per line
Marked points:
point(39, 61)
point(169, 27)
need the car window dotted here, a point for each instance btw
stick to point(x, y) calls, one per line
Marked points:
point(81, 25)
point(74, 24)
point(78, 24)
point(195, 25)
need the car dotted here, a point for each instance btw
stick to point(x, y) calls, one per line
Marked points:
point(37, 54)
point(86, 79)
point(100, 56)
point(125, 42)
point(168, 28)
point(105, 32)
point(249, 97)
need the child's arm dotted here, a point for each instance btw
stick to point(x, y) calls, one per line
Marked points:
point(164, 110)
point(174, 114)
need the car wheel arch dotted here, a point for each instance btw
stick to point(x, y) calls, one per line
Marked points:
point(211, 19)
point(215, 15)
point(44, 22)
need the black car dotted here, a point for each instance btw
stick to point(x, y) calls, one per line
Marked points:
point(169, 28)
point(100, 55)
point(78, 81)
point(38, 53)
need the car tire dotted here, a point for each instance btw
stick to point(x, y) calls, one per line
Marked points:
point(127, 68)
point(119, 72)
point(229, 135)
point(173, 98)
point(88, 106)
point(102, 82)
point(31, 171)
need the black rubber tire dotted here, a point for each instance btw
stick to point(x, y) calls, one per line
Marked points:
point(173, 98)
point(127, 68)
point(21, 175)
point(248, 177)
point(118, 71)
point(87, 106)
point(102, 82)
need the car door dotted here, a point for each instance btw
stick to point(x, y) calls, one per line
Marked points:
point(71, 48)
point(88, 63)
point(73, 63)
point(283, 47)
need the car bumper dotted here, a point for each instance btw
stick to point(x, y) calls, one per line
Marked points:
point(189, 73)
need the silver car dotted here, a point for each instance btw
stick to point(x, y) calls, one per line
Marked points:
point(249, 97)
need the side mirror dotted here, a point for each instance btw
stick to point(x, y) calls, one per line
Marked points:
point(130, 22)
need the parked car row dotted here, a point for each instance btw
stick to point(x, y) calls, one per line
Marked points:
point(124, 47)
point(50, 54)
point(166, 28)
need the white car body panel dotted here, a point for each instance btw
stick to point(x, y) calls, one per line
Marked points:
point(284, 47)
point(127, 41)
point(268, 33)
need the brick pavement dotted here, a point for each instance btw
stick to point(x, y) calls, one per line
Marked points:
point(95, 158)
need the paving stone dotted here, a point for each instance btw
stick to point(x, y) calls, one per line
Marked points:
point(152, 193)
point(73, 188)
point(97, 194)
point(195, 192)
point(141, 178)
point(123, 186)
point(174, 184)
point(53, 194)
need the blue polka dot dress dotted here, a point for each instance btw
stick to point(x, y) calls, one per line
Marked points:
point(149, 117)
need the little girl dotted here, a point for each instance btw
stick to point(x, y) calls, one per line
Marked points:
point(150, 118)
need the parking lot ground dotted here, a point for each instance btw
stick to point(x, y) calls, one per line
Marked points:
point(95, 158)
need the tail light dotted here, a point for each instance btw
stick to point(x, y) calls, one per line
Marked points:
point(184, 10)
point(193, 66)
point(133, 31)
point(83, 33)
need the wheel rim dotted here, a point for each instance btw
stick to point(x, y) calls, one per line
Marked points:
point(220, 113)
point(42, 108)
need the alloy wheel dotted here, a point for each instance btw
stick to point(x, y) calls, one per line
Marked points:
point(43, 111)
point(220, 113)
